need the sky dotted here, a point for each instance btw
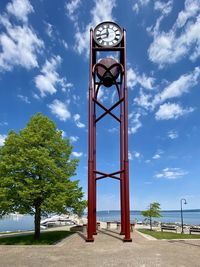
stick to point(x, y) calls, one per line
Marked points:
point(44, 67)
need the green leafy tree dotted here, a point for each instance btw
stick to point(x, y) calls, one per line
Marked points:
point(152, 212)
point(35, 171)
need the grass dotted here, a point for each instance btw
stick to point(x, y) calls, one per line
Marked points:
point(46, 238)
point(168, 235)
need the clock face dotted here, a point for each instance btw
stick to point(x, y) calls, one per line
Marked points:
point(107, 34)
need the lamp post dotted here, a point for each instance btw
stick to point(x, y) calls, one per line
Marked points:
point(182, 199)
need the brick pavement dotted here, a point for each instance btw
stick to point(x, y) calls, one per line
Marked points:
point(107, 250)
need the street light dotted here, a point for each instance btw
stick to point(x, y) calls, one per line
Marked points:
point(182, 199)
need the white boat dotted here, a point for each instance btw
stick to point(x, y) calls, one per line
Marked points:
point(57, 220)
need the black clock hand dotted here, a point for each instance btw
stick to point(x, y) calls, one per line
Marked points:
point(107, 32)
point(100, 35)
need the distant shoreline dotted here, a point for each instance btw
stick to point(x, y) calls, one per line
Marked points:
point(185, 210)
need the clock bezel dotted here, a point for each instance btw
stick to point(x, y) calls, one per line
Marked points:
point(107, 45)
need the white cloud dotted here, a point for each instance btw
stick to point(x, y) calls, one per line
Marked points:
point(77, 154)
point(135, 8)
point(156, 156)
point(2, 139)
point(143, 100)
point(114, 97)
point(139, 4)
point(64, 135)
point(49, 78)
point(175, 89)
point(46, 81)
point(169, 47)
point(20, 9)
point(71, 8)
point(102, 11)
point(24, 99)
point(103, 94)
point(171, 111)
point(59, 109)
point(49, 29)
point(77, 121)
point(134, 154)
point(135, 122)
point(171, 173)
point(3, 123)
point(130, 156)
point(178, 87)
point(164, 7)
point(19, 44)
point(113, 130)
point(36, 96)
point(73, 139)
point(131, 78)
point(65, 44)
point(172, 134)
point(134, 78)
point(192, 8)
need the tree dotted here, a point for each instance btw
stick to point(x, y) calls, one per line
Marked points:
point(152, 212)
point(35, 171)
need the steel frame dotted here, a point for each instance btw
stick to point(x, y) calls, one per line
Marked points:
point(123, 174)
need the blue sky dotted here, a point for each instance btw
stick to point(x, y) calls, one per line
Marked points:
point(44, 67)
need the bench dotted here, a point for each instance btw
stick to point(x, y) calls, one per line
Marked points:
point(108, 225)
point(98, 225)
point(194, 229)
point(132, 225)
point(84, 228)
point(169, 228)
point(118, 225)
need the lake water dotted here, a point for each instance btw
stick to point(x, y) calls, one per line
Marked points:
point(190, 217)
point(26, 222)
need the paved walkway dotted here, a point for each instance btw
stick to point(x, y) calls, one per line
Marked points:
point(107, 250)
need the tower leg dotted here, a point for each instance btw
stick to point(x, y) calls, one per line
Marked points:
point(122, 232)
point(127, 237)
point(90, 203)
point(94, 174)
point(94, 209)
point(122, 205)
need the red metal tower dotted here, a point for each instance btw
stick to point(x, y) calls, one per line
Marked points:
point(108, 36)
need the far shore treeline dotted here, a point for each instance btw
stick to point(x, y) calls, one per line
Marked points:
point(185, 210)
point(35, 172)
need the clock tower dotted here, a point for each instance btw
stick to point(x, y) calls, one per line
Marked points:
point(108, 72)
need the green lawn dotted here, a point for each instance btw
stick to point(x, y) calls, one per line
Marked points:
point(167, 235)
point(47, 238)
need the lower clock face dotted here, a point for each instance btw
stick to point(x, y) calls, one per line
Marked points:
point(107, 34)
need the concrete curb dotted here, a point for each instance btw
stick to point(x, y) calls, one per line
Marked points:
point(64, 240)
point(148, 237)
point(176, 239)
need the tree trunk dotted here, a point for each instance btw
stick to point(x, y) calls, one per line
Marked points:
point(37, 222)
point(150, 223)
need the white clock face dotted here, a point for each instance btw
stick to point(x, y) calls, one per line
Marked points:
point(107, 34)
